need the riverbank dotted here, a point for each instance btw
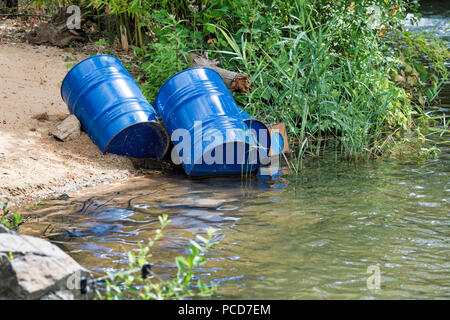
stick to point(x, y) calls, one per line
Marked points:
point(33, 165)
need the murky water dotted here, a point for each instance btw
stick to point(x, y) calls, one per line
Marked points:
point(311, 236)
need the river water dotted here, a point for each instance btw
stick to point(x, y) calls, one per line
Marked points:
point(311, 236)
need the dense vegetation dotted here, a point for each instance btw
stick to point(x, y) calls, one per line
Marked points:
point(125, 283)
point(339, 73)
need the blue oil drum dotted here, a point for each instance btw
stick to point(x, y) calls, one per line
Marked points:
point(261, 133)
point(268, 142)
point(205, 125)
point(106, 99)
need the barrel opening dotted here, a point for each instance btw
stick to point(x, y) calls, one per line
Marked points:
point(141, 140)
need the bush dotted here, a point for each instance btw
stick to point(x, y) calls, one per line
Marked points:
point(330, 69)
point(323, 70)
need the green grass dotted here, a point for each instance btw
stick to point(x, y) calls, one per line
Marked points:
point(125, 284)
point(322, 91)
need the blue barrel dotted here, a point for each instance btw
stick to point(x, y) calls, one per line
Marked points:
point(205, 125)
point(268, 142)
point(101, 93)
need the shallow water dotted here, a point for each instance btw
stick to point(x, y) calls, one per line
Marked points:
point(311, 236)
point(435, 18)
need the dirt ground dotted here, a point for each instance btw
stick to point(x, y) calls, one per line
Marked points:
point(33, 165)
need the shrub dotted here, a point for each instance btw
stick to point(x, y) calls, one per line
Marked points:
point(125, 284)
point(10, 220)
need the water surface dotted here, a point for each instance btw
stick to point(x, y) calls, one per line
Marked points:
point(290, 237)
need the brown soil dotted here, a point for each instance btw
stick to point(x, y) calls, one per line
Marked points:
point(33, 165)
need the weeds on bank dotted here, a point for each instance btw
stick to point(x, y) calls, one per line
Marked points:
point(126, 284)
point(338, 77)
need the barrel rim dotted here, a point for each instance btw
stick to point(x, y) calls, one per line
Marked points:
point(78, 63)
point(180, 72)
point(156, 123)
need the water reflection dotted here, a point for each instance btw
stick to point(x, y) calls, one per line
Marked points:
point(311, 236)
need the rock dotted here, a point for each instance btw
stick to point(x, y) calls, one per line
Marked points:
point(33, 268)
point(59, 295)
point(63, 196)
point(69, 129)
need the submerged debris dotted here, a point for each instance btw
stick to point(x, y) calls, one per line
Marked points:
point(63, 196)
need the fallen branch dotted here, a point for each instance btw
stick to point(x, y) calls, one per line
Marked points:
point(56, 32)
point(233, 80)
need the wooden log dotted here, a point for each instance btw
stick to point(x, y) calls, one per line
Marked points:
point(57, 35)
point(233, 80)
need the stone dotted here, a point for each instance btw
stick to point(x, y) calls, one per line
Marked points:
point(67, 130)
point(33, 268)
point(63, 196)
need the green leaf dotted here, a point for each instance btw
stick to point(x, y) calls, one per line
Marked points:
point(210, 28)
point(182, 264)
